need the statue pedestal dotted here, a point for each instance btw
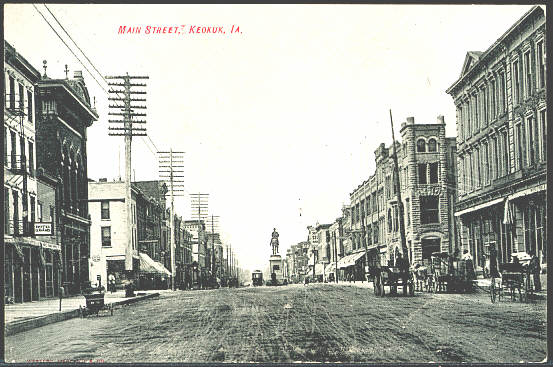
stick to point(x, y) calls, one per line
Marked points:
point(276, 266)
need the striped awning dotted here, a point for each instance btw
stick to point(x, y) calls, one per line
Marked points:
point(350, 260)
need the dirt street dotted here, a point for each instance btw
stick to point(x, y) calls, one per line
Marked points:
point(318, 322)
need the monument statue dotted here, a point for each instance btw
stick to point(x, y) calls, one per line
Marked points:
point(274, 241)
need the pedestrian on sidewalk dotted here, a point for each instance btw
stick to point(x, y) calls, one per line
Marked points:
point(535, 270)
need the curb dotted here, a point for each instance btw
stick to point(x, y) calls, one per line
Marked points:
point(16, 327)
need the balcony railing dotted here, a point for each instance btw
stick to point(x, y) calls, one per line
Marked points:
point(17, 165)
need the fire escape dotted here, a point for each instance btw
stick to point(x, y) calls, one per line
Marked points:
point(15, 114)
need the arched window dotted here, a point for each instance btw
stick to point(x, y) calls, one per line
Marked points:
point(389, 220)
point(421, 146)
point(432, 145)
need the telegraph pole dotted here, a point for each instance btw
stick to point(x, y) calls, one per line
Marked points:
point(398, 191)
point(126, 128)
point(171, 168)
point(213, 223)
point(198, 206)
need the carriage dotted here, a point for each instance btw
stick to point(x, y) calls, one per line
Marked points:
point(444, 273)
point(514, 280)
point(392, 277)
point(95, 304)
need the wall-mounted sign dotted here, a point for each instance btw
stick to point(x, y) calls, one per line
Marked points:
point(43, 229)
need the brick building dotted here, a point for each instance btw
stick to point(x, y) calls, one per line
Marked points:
point(63, 113)
point(500, 99)
point(426, 172)
point(23, 252)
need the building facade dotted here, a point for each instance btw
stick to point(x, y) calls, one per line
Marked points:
point(63, 113)
point(32, 259)
point(500, 99)
point(426, 173)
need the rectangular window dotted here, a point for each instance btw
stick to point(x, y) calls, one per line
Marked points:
point(531, 140)
point(516, 83)
point(506, 154)
point(21, 98)
point(528, 74)
point(408, 211)
point(5, 146)
point(105, 209)
point(485, 102)
point(6, 210)
point(460, 122)
point(29, 106)
point(468, 173)
point(433, 167)
point(495, 155)
point(541, 65)
point(12, 93)
point(39, 211)
point(493, 100)
point(477, 167)
point(467, 120)
point(106, 236)
point(520, 147)
point(33, 209)
point(31, 159)
point(503, 92)
point(422, 173)
point(486, 164)
point(14, 150)
point(429, 209)
point(15, 212)
point(476, 121)
point(543, 131)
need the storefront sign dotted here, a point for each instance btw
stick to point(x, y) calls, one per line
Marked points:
point(43, 229)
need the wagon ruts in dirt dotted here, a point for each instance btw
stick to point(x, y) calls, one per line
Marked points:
point(94, 304)
point(393, 278)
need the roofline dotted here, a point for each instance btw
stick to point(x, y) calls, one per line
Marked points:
point(62, 83)
point(496, 44)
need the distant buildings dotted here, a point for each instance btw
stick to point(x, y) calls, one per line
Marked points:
point(500, 98)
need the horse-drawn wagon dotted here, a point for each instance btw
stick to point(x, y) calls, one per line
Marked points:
point(393, 277)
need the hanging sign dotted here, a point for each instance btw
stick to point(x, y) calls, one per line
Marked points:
point(43, 229)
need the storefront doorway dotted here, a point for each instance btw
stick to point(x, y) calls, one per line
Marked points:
point(429, 246)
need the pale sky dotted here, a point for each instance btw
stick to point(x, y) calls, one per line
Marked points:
point(279, 122)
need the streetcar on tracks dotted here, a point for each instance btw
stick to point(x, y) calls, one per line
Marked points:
point(257, 278)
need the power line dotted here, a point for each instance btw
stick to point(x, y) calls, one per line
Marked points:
point(88, 59)
point(75, 43)
point(69, 48)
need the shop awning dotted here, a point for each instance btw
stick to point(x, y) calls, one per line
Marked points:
point(350, 260)
point(162, 268)
point(478, 207)
point(147, 265)
point(527, 192)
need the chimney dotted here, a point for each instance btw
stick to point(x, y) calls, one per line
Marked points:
point(410, 120)
point(78, 74)
point(441, 119)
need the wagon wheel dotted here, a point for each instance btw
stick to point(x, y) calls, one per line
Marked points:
point(492, 291)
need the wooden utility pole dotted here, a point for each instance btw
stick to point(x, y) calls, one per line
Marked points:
point(398, 191)
point(213, 223)
point(198, 206)
point(171, 169)
point(126, 128)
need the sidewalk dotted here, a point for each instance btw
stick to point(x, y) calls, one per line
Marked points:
point(24, 316)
